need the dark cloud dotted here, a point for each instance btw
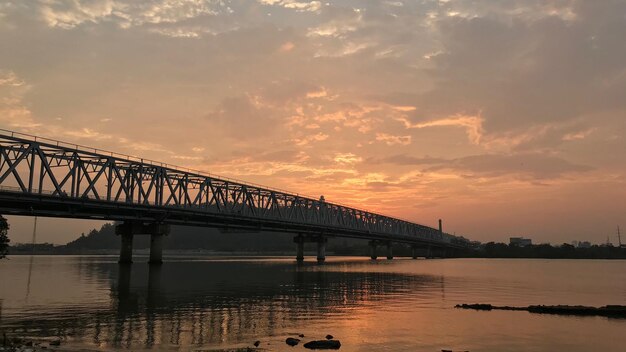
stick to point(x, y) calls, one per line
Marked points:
point(521, 165)
point(526, 166)
point(402, 159)
point(240, 117)
point(522, 72)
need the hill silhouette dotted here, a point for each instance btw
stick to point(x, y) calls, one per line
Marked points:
point(201, 238)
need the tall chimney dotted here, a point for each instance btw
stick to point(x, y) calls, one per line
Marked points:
point(440, 228)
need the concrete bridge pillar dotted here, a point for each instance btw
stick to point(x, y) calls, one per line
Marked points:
point(414, 252)
point(128, 229)
point(389, 250)
point(299, 240)
point(429, 252)
point(126, 249)
point(373, 245)
point(156, 248)
point(321, 249)
point(157, 233)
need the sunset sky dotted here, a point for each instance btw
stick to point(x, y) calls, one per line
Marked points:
point(503, 118)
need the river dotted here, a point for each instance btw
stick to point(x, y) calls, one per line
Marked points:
point(203, 303)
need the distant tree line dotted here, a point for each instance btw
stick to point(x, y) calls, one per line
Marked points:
point(191, 238)
point(199, 238)
point(564, 251)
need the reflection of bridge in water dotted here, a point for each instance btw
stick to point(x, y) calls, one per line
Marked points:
point(45, 177)
point(236, 301)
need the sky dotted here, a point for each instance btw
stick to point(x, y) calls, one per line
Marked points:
point(503, 118)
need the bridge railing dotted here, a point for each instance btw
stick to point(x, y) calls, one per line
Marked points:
point(37, 165)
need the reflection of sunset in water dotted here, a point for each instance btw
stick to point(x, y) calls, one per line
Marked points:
point(397, 305)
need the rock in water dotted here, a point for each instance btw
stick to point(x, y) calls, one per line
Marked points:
point(55, 343)
point(329, 337)
point(257, 343)
point(301, 335)
point(292, 341)
point(323, 345)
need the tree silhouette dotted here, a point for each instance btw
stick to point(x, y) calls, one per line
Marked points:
point(4, 239)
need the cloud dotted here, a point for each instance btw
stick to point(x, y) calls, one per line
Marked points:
point(392, 140)
point(526, 166)
point(243, 115)
point(318, 137)
point(577, 135)
point(10, 79)
point(13, 110)
point(536, 166)
point(347, 158)
point(524, 72)
point(402, 159)
point(423, 106)
point(472, 124)
point(301, 6)
point(87, 133)
point(69, 14)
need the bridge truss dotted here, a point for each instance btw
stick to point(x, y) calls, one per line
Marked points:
point(51, 178)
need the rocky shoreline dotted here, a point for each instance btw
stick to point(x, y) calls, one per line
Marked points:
point(17, 344)
point(611, 311)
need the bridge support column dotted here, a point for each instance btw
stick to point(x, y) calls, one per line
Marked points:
point(156, 248)
point(321, 250)
point(126, 249)
point(157, 234)
point(414, 252)
point(373, 254)
point(389, 250)
point(299, 240)
point(128, 229)
point(429, 252)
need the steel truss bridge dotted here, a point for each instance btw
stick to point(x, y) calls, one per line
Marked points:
point(43, 177)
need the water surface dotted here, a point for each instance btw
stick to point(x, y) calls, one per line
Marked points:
point(200, 303)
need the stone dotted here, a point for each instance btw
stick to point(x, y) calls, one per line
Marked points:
point(55, 343)
point(292, 341)
point(257, 343)
point(301, 335)
point(329, 337)
point(323, 345)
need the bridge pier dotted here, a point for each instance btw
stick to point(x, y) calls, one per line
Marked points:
point(321, 249)
point(373, 245)
point(156, 248)
point(126, 249)
point(389, 250)
point(128, 229)
point(414, 252)
point(299, 240)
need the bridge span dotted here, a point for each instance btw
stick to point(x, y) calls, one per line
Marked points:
point(44, 177)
